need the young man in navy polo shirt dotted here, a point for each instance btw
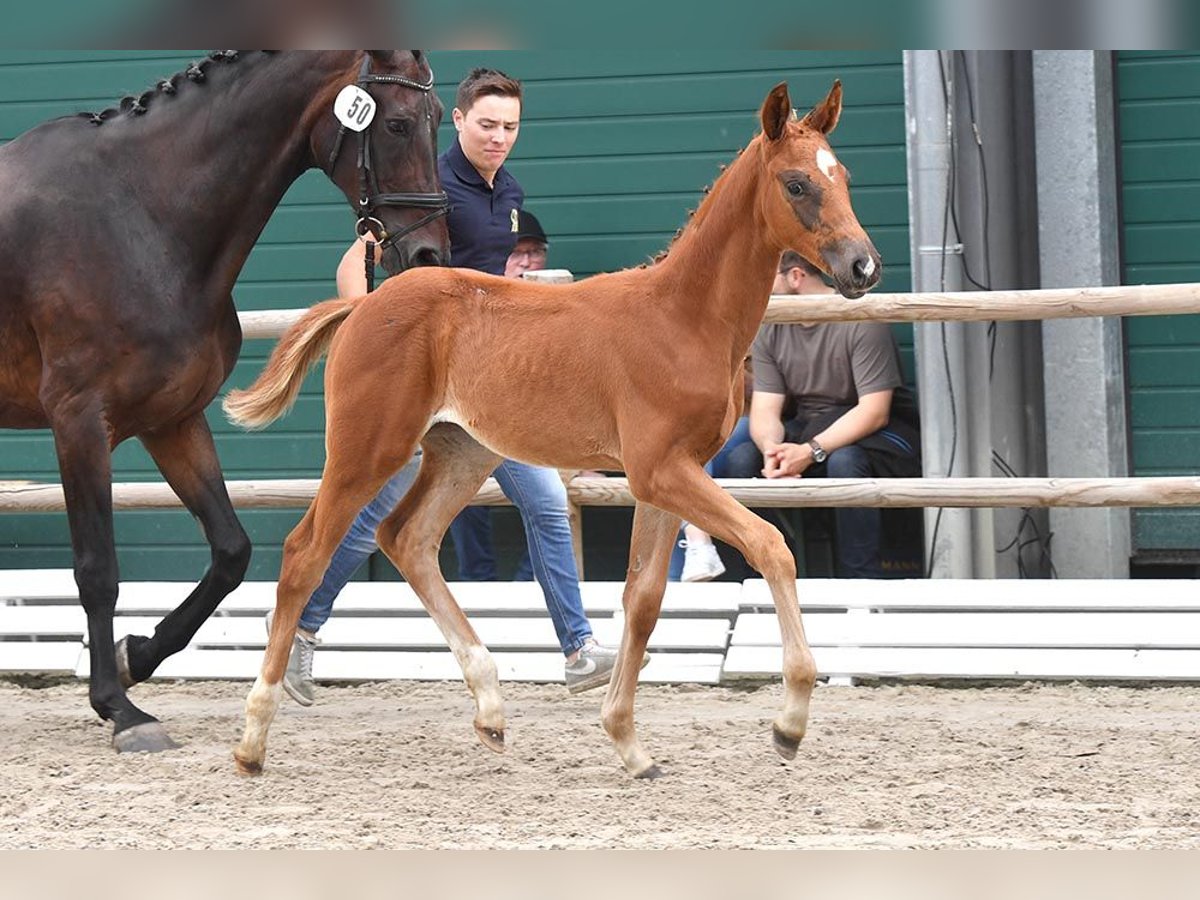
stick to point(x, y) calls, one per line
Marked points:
point(486, 202)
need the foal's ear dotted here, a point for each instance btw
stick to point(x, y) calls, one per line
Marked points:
point(776, 110)
point(824, 118)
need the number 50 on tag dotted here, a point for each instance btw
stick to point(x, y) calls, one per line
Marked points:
point(354, 107)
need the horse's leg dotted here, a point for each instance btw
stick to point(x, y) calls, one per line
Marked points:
point(343, 492)
point(188, 460)
point(453, 467)
point(685, 489)
point(85, 463)
point(645, 581)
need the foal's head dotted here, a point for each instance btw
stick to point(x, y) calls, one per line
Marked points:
point(400, 172)
point(805, 198)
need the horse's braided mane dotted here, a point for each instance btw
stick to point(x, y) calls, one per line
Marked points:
point(136, 105)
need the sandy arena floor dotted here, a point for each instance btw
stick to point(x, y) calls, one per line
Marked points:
point(397, 765)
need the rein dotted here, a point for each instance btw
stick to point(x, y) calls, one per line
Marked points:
point(370, 197)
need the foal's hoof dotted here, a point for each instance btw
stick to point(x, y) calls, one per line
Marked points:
point(246, 767)
point(650, 774)
point(785, 746)
point(492, 738)
point(149, 737)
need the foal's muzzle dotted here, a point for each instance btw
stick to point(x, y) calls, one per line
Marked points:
point(855, 268)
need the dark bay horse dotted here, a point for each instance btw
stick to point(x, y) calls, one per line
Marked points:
point(121, 236)
point(638, 370)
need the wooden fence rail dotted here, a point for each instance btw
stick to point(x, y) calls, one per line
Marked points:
point(1167, 299)
point(590, 491)
point(963, 306)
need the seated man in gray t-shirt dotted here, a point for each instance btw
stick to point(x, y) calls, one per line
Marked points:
point(849, 415)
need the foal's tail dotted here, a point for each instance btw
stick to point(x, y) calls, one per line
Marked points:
point(300, 348)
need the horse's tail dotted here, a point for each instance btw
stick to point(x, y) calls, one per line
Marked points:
point(300, 348)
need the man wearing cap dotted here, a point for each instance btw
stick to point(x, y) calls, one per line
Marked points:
point(529, 254)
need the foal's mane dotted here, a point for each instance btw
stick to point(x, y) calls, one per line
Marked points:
point(697, 216)
point(139, 104)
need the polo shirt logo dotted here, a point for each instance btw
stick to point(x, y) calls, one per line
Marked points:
point(513, 219)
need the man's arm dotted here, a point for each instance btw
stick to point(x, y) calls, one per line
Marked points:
point(766, 419)
point(352, 271)
point(869, 415)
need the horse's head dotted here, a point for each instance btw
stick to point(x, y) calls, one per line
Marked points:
point(805, 196)
point(388, 169)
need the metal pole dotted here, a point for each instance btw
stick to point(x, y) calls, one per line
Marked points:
point(940, 347)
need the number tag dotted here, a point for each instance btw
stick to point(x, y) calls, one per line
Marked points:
point(354, 108)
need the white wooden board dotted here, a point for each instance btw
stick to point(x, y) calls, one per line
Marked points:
point(422, 633)
point(357, 665)
point(38, 584)
point(1000, 663)
point(600, 598)
point(50, 657)
point(43, 621)
point(1013, 595)
point(984, 629)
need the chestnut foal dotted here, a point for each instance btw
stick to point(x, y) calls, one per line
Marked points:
point(637, 370)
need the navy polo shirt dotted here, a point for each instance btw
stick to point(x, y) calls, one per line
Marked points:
point(482, 220)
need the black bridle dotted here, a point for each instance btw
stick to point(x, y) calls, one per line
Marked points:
point(370, 198)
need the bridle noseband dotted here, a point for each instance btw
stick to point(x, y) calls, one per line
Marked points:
point(370, 197)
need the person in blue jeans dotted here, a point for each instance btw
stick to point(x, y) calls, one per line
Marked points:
point(471, 529)
point(695, 557)
point(484, 222)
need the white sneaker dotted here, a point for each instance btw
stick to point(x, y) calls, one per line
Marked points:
point(700, 562)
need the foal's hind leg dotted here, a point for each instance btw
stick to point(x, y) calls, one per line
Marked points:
point(453, 467)
point(688, 491)
point(645, 581)
point(188, 460)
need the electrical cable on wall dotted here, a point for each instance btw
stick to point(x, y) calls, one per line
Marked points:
point(950, 220)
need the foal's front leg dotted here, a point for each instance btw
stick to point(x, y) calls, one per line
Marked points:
point(687, 489)
point(306, 555)
point(645, 581)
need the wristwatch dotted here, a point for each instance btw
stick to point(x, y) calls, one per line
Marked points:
point(819, 454)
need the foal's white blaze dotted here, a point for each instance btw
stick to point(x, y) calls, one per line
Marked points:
point(869, 268)
point(826, 162)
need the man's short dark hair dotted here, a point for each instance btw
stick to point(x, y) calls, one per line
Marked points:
point(484, 83)
point(793, 260)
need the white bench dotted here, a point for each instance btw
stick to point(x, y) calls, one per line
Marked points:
point(378, 629)
point(979, 629)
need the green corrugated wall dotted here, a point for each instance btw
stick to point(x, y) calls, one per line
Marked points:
point(615, 148)
point(1159, 95)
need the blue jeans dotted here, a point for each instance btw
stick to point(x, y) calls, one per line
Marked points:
point(539, 496)
point(717, 467)
point(859, 529)
point(471, 532)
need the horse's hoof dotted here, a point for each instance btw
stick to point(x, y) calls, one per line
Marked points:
point(785, 746)
point(246, 767)
point(149, 737)
point(651, 774)
point(123, 673)
point(492, 738)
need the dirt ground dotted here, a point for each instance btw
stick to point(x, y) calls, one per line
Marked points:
point(397, 765)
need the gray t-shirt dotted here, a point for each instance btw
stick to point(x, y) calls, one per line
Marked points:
point(826, 365)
